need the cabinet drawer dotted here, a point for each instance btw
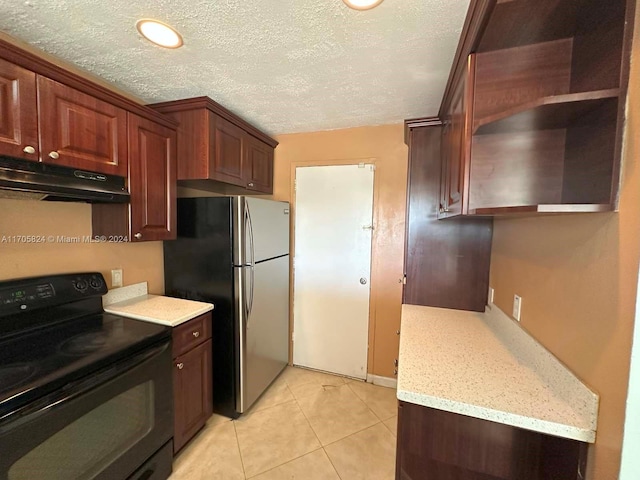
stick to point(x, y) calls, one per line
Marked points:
point(190, 334)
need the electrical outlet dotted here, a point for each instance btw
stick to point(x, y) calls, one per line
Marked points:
point(116, 278)
point(517, 306)
point(491, 295)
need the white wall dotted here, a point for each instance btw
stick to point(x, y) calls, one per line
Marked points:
point(630, 465)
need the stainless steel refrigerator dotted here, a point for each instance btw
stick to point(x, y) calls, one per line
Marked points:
point(234, 253)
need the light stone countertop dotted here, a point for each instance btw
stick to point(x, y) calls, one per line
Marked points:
point(484, 365)
point(133, 301)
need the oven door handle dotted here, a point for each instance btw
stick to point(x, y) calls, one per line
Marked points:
point(75, 389)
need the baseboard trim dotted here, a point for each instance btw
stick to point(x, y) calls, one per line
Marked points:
point(382, 381)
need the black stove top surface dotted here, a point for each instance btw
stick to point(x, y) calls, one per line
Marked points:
point(36, 363)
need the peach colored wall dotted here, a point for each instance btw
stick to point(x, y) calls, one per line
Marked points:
point(384, 146)
point(577, 275)
point(140, 261)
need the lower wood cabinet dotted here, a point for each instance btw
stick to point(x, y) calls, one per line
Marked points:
point(192, 380)
point(438, 445)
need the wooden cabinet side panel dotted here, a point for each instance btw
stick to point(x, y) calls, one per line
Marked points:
point(447, 261)
point(192, 152)
point(18, 111)
point(433, 444)
point(192, 393)
point(84, 131)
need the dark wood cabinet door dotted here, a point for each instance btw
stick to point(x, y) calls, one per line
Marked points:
point(434, 444)
point(18, 112)
point(457, 145)
point(433, 278)
point(227, 155)
point(152, 180)
point(80, 131)
point(258, 165)
point(192, 393)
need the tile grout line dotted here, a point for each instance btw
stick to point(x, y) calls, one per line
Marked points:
point(244, 472)
point(318, 438)
point(296, 458)
point(285, 463)
point(331, 462)
point(355, 433)
point(308, 422)
point(367, 405)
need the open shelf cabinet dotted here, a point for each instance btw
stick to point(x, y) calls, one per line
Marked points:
point(544, 113)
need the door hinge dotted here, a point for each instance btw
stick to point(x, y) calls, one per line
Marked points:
point(372, 167)
point(403, 280)
point(295, 185)
point(293, 336)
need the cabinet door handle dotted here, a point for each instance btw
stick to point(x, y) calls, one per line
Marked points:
point(196, 334)
point(250, 184)
point(55, 155)
point(180, 366)
point(138, 235)
point(29, 149)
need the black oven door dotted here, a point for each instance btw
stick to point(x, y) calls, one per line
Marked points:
point(101, 427)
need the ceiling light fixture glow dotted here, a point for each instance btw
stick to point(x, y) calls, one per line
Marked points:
point(362, 4)
point(159, 33)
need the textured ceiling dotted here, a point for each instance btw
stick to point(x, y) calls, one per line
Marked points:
point(286, 66)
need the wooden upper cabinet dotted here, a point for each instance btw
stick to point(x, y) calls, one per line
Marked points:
point(226, 156)
point(152, 180)
point(18, 112)
point(538, 125)
point(431, 243)
point(79, 130)
point(258, 165)
point(456, 145)
point(217, 150)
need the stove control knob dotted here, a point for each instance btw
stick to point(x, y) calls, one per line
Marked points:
point(95, 283)
point(81, 285)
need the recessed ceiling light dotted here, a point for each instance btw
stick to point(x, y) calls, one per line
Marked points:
point(159, 33)
point(362, 4)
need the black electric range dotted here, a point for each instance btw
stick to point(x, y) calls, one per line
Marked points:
point(62, 357)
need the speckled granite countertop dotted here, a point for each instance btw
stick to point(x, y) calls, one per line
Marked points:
point(134, 302)
point(484, 365)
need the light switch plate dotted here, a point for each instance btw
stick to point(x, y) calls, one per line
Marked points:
point(116, 278)
point(517, 306)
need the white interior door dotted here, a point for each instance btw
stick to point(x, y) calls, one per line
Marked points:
point(332, 265)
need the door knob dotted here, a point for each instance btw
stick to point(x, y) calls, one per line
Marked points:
point(29, 149)
point(138, 236)
point(54, 155)
point(363, 281)
point(180, 366)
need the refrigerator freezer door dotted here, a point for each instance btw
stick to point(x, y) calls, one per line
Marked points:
point(269, 222)
point(265, 344)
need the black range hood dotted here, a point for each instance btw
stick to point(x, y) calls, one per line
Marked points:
point(59, 183)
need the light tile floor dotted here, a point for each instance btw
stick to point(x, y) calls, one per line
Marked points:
point(308, 425)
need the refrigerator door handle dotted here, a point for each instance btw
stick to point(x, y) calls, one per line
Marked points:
point(252, 262)
point(249, 228)
point(253, 279)
point(246, 296)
